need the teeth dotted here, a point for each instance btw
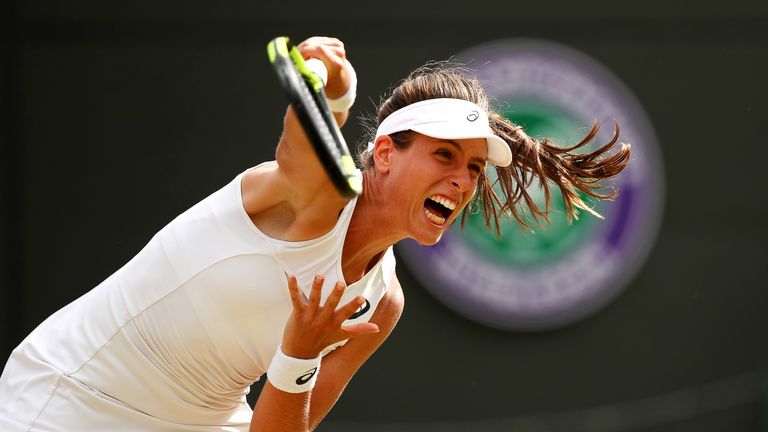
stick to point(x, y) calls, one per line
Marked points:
point(433, 217)
point(444, 201)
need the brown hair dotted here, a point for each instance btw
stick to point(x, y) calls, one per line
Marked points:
point(532, 159)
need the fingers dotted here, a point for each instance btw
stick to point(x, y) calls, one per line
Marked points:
point(314, 42)
point(359, 329)
point(312, 326)
point(293, 289)
point(315, 293)
point(344, 312)
point(333, 299)
point(332, 53)
point(330, 50)
point(328, 311)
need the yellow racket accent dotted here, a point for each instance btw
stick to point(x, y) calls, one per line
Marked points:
point(311, 107)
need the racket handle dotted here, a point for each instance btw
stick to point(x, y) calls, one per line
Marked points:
point(317, 67)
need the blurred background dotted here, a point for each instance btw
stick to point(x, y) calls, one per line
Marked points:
point(117, 116)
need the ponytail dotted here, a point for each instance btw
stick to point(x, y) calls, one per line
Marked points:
point(543, 162)
point(533, 161)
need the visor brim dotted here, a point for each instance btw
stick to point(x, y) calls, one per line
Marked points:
point(499, 153)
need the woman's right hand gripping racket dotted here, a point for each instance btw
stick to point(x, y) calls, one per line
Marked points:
point(305, 91)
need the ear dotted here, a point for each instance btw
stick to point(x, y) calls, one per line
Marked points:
point(383, 151)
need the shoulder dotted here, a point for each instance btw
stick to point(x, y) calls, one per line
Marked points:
point(263, 186)
point(282, 208)
point(280, 181)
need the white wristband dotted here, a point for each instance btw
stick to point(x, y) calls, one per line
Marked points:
point(293, 375)
point(344, 102)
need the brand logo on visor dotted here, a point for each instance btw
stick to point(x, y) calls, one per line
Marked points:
point(473, 116)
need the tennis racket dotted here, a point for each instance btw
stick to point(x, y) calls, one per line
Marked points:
point(305, 91)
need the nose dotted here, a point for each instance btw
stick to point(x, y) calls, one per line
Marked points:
point(462, 180)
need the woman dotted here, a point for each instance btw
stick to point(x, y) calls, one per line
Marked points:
point(231, 288)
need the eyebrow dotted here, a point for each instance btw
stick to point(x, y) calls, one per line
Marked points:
point(481, 161)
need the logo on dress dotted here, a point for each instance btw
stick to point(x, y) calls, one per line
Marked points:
point(361, 311)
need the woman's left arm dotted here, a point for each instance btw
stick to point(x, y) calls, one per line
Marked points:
point(339, 366)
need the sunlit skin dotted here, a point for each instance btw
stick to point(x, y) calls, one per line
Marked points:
point(396, 188)
point(416, 192)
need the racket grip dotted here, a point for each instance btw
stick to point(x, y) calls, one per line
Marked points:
point(317, 67)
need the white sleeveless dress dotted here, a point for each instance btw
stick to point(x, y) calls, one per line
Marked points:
point(173, 340)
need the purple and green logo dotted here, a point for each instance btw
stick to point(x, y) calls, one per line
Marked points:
point(562, 272)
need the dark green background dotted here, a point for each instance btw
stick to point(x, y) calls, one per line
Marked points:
point(117, 116)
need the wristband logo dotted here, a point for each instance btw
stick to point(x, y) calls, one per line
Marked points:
point(562, 272)
point(307, 376)
point(361, 311)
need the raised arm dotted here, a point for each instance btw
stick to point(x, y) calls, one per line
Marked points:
point(295, 156)
point(294, 198)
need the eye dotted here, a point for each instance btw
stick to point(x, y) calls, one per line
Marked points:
point(475, 170)
point(444, 153)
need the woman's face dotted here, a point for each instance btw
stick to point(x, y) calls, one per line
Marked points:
point(434, 179)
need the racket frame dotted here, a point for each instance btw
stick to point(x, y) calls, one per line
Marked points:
point(306, 93)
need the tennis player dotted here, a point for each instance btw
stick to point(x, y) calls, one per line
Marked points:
point(277, 273)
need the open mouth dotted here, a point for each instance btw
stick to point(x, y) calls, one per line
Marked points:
point(438, 208)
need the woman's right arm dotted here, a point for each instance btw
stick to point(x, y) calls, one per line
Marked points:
point(295, 156)
point(297, 185)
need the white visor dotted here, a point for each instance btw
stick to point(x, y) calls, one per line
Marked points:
point(448, 119)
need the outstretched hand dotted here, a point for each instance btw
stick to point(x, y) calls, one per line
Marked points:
point(312, 327)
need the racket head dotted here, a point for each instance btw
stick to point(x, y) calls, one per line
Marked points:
point(306, 94)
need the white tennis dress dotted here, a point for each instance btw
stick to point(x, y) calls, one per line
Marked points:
point(173, 340)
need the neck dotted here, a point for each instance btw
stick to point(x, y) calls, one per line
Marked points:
point(371, 231)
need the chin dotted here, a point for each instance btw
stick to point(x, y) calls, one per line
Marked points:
point(429, 241)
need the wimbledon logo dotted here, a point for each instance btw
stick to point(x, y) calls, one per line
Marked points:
point(562, 272)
